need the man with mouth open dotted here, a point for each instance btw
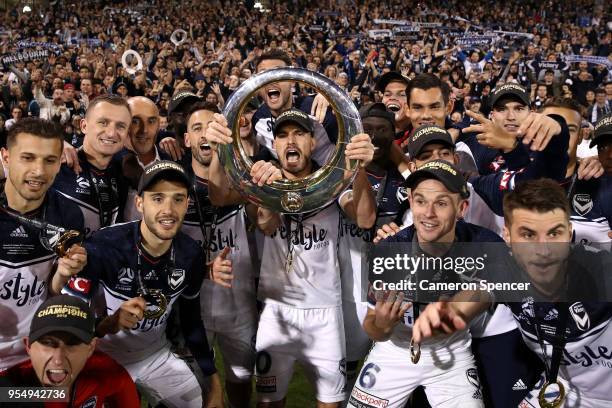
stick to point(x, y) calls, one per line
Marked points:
point(392, 86)
point(567, 307)
point(99, 189)
point(299, 280)
point(143, 268)
point(61, 346)
point(277, 98)
point(223, 228)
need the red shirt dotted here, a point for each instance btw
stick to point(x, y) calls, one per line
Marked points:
point(101, 382)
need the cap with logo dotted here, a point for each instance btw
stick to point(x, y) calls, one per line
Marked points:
point(389, 77)
point(164, 170)
point(294, 116)
point(511, 90)
point(63, 313)
point(425, 135)
point(377, 110)
point(602, 130)
point(181, 101)
point(444, 172)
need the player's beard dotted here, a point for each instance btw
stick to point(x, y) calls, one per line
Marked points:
point(163, 232)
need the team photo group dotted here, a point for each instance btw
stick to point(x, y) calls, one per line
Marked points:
point(364, 204)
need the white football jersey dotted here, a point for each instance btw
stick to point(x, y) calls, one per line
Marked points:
point(313, 279)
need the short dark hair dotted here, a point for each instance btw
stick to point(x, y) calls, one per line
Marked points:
point(274, 54)
point(112, 99)
point(38, 127)
point(541, 195)
point(428, 81)
point(566, 103)
point(201, 105)
point(600, 90)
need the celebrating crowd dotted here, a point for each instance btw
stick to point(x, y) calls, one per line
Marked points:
point(132, 267)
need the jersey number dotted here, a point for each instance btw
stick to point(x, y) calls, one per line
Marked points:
point(367, 379)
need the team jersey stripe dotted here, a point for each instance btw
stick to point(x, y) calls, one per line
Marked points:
point(26, 263)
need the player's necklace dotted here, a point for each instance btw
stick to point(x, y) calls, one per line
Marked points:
point(105, 216)
point(51, 237)
point(292, 236)
point(157, 303)
point(207, 233)
point(552, 370)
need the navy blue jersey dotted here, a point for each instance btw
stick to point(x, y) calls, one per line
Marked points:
point(550, 163)
point(98, 193)
point(352, 239)
point(25, 268)
point(464, 232)
point(587, 355)
point(591, 206)
point(111, 277)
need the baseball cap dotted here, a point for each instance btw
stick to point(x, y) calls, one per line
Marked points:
point(181, 101)
point(509, 89)
point(603, 128)
point(63, 313)
point(392, 76)
point(423, 135)
point(165, 170)
point(442, 171)
point(295, 116)
point(378, 110)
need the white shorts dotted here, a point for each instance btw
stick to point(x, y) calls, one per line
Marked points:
point(388, 377)
point(235, 335)
point(165, 378)
point(357, 340)
point(573, 397)
point(312, 337)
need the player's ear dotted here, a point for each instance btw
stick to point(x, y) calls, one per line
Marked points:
point(139, 200)
point(26, 342)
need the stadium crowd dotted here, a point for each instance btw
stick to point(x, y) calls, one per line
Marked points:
point(483, 123)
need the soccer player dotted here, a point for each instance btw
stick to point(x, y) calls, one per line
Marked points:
point(387, 183)
point(229, 313)
point(142, 268)
point(98, 189)
point(447, 370)
point(299, 281)
point(61, 346)
point(563, 310)
point(27, 266)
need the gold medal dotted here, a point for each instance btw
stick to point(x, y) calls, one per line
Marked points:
point(557, 401)
point(156, 303)
point(415, 351)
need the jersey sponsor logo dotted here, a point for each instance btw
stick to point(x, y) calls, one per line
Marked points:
point(126, 276)
point(307, 237)
point(352, 230)
point(221, 240)
point(22, 292)
point(600, 355)
point(519, 385)
point(580, 316)
point(265, 384)
point(362, 399)
point(90, 403)
point(19, 232)
point(176, 278)
point(146, 325)
point(80, 285)
point(582, 203)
